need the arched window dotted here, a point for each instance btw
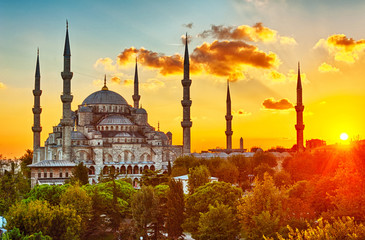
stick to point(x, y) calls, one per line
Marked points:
point(152, 168)
point(129, 169)
point(91, 170)
point(122, 170)
point(106, 170)
point(135, 170)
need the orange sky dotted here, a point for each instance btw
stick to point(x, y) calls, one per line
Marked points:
point(247, 42)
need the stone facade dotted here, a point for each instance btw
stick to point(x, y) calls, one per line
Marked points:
point(105, 133)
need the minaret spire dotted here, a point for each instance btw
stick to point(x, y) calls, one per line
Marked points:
point(66, 97)
point(229, 118)
point(186, 102)
point(299, 108)
point(136, 97)
point(37, 110)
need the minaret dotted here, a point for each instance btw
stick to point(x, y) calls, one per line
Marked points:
point(37, 92)
point(135, 96)
point(66, 97)
point(186, 102)
point(299, 109)
point(229, 117)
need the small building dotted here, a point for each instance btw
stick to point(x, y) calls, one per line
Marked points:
point(51, 172)
point(185, 181)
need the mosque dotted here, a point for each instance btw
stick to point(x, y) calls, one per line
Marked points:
point(105, 133)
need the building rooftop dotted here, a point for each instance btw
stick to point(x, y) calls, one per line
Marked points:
point(53, 163)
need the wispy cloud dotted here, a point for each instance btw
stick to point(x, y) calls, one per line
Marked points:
point(241, 113)
point(325, 67)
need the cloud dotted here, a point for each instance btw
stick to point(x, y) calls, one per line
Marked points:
point(256, 33)
point(115, 79)
point(240, 113)
point(325, 67)
point(2, 85)
point(228, 58)
point(127, 82)
point(188, 25)
point(220, 58)
point(342, 48)
point(183, 37)
point(276, 76)
point(152, 84)
point(106, 63)
point(282, 104)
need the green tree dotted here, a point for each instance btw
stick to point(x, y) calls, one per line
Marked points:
point(282, 178)
point(144, 209)
point(50, 193)
point(80, 174)
point(210, 194)
point(263, 212)
point(198, 176)
point(58, 222)
point(261, 169)
point(218, 223)
point(76, 198)
point(26, 160)
point(175, 209)
point(153, 178)
point(183, 164)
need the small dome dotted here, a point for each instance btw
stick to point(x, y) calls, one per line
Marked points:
point(115, 120)
point(75, 135)
point(85, 109)
point(141, 111)
point(105, 97)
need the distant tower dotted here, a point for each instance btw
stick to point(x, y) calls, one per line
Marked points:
point(66, 97)
point(37, 92)
point(241, 143)
point(186, 102)
point(299, 108)
point(135, 96)
point(229, 117)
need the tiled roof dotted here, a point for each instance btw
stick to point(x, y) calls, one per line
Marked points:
point(53, 163)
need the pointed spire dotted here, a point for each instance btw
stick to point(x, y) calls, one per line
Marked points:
point(136, 79)
point(299, 83)
point(37, 71)
point(105, 88)
point(158, 126)
point(186, 59)
point(67, 51)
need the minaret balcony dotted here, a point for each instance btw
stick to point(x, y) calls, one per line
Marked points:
point(66, 98)
point(299, 108)
point(186, 124)
point(67, 122)
point(66, 75)
point(299, 127)
point(229, 117)
point(37, 110)
point(37, 129)
point(37, 93)
point(229, 133)
point(186, 82)
point(186, 103)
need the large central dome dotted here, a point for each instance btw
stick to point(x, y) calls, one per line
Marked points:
point(104, 97)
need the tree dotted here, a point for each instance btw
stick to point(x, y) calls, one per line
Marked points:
point(26, 160)
point(227, 172)
point(153, 178)
point(264, 157)
point(218, 223)
point(175, 209)
point(50, 193)
point(282, 178)
point(183, 164)
point(210, 194)
point(59, 222)
point(80, 174)
point(263, 212)
point(15, 234)
point(341, 228)
point(261, 169)
point(76, 198)
point(144, 209)
point(198, 176)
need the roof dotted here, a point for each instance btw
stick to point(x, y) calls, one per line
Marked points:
point(141, 111)
point(52, 181)
point(115, 120)
point(53, 163)
point(186, 177)
point(105, 97)
point(75, 135)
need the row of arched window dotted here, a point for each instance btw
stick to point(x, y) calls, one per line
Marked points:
point(123, 169)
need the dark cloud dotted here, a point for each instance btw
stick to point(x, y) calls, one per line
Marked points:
point(282, 104)
point(188, 25)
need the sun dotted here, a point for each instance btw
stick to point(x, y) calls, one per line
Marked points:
point(344, 136)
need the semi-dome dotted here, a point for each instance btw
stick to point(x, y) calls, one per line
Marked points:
point(115, 120)
point(105, 97)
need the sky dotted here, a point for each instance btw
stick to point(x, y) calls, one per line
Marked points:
point(254, 44)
